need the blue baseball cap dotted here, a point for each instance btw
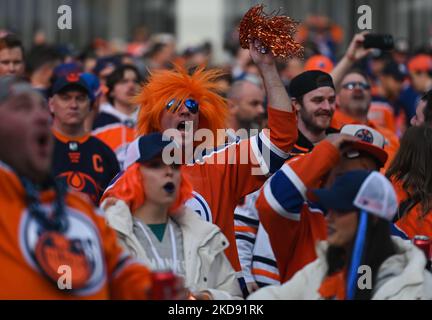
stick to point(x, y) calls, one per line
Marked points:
point(71, 80)
point(359, 190)
point(64, 69)
point(94, 84)
point(146, 148)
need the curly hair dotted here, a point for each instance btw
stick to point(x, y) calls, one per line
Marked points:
point(179, 84)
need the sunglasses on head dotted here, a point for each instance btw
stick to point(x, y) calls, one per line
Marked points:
point(190, 104)
point(352, 85)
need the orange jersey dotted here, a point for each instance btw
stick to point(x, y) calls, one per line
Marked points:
point(413, 222)
point(293, 223)
point(219, 187)
point(29, 252)
point(392, 146)
point(115, 129)
point(222, 178)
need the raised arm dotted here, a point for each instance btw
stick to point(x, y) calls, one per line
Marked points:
point(354, 53)
point(276, 93)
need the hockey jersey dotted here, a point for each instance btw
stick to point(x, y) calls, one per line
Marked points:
point(293, 223)
point(224, 177)
point(115, 129)
point(86, 164)
point(28, 254)
point(255, 252)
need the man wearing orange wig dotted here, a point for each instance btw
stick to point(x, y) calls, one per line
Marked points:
point(176, 99)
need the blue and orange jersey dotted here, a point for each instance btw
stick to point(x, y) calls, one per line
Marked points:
point(26, 258)
point(223, 177)
point(115, 129)
point(220, 185)
point(85, 164)
point(256, 255)
point(293, 223)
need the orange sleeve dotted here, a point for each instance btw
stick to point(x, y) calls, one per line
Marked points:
point(284, 211)
point(283, 128)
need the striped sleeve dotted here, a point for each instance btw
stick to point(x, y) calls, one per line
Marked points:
point(271, 146)
point(285, 191)
point(245, 226)
point(264, 267)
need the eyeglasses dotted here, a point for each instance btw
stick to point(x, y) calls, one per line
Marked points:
point(352, 85)
point(190, 104)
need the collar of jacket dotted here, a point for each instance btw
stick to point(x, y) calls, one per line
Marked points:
point(303, 145)
point(194, 228)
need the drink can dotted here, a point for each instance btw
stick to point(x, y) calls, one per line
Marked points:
point(163, 285)
point(424, 244)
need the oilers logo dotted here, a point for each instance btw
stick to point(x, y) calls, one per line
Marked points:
point(79, 248)
point(198, 204)
point(365, 135)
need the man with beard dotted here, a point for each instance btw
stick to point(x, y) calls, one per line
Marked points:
point(354, 100)
point(313, 96)
point(246, 104)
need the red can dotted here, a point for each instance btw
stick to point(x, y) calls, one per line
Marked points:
point(424, 244)
point(163, 285)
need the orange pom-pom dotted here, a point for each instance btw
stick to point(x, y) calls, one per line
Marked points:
point(275, 32)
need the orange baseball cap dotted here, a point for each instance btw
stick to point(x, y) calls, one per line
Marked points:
point(420, 62)
point(319, 62)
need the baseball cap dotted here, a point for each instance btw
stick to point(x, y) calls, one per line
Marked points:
point(94, 84)
point(359, 190)
point(319, 62)
point(146, 147)
point(12, 85)
point(71, 80)
point(395, 70)
point(420, 62)
point(308, 81)
point(64, 69)
point(371, 141)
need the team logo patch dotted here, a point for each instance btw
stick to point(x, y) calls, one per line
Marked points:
point(73, 77)
point(54, 250)
point(78, 248)
point(365, 135)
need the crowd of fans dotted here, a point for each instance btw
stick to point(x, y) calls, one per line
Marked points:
point(84, 180)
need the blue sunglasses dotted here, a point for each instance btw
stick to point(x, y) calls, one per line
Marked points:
point(190, 104)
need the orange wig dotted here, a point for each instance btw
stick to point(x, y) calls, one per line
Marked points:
point(130, 188)
point(165, 85)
